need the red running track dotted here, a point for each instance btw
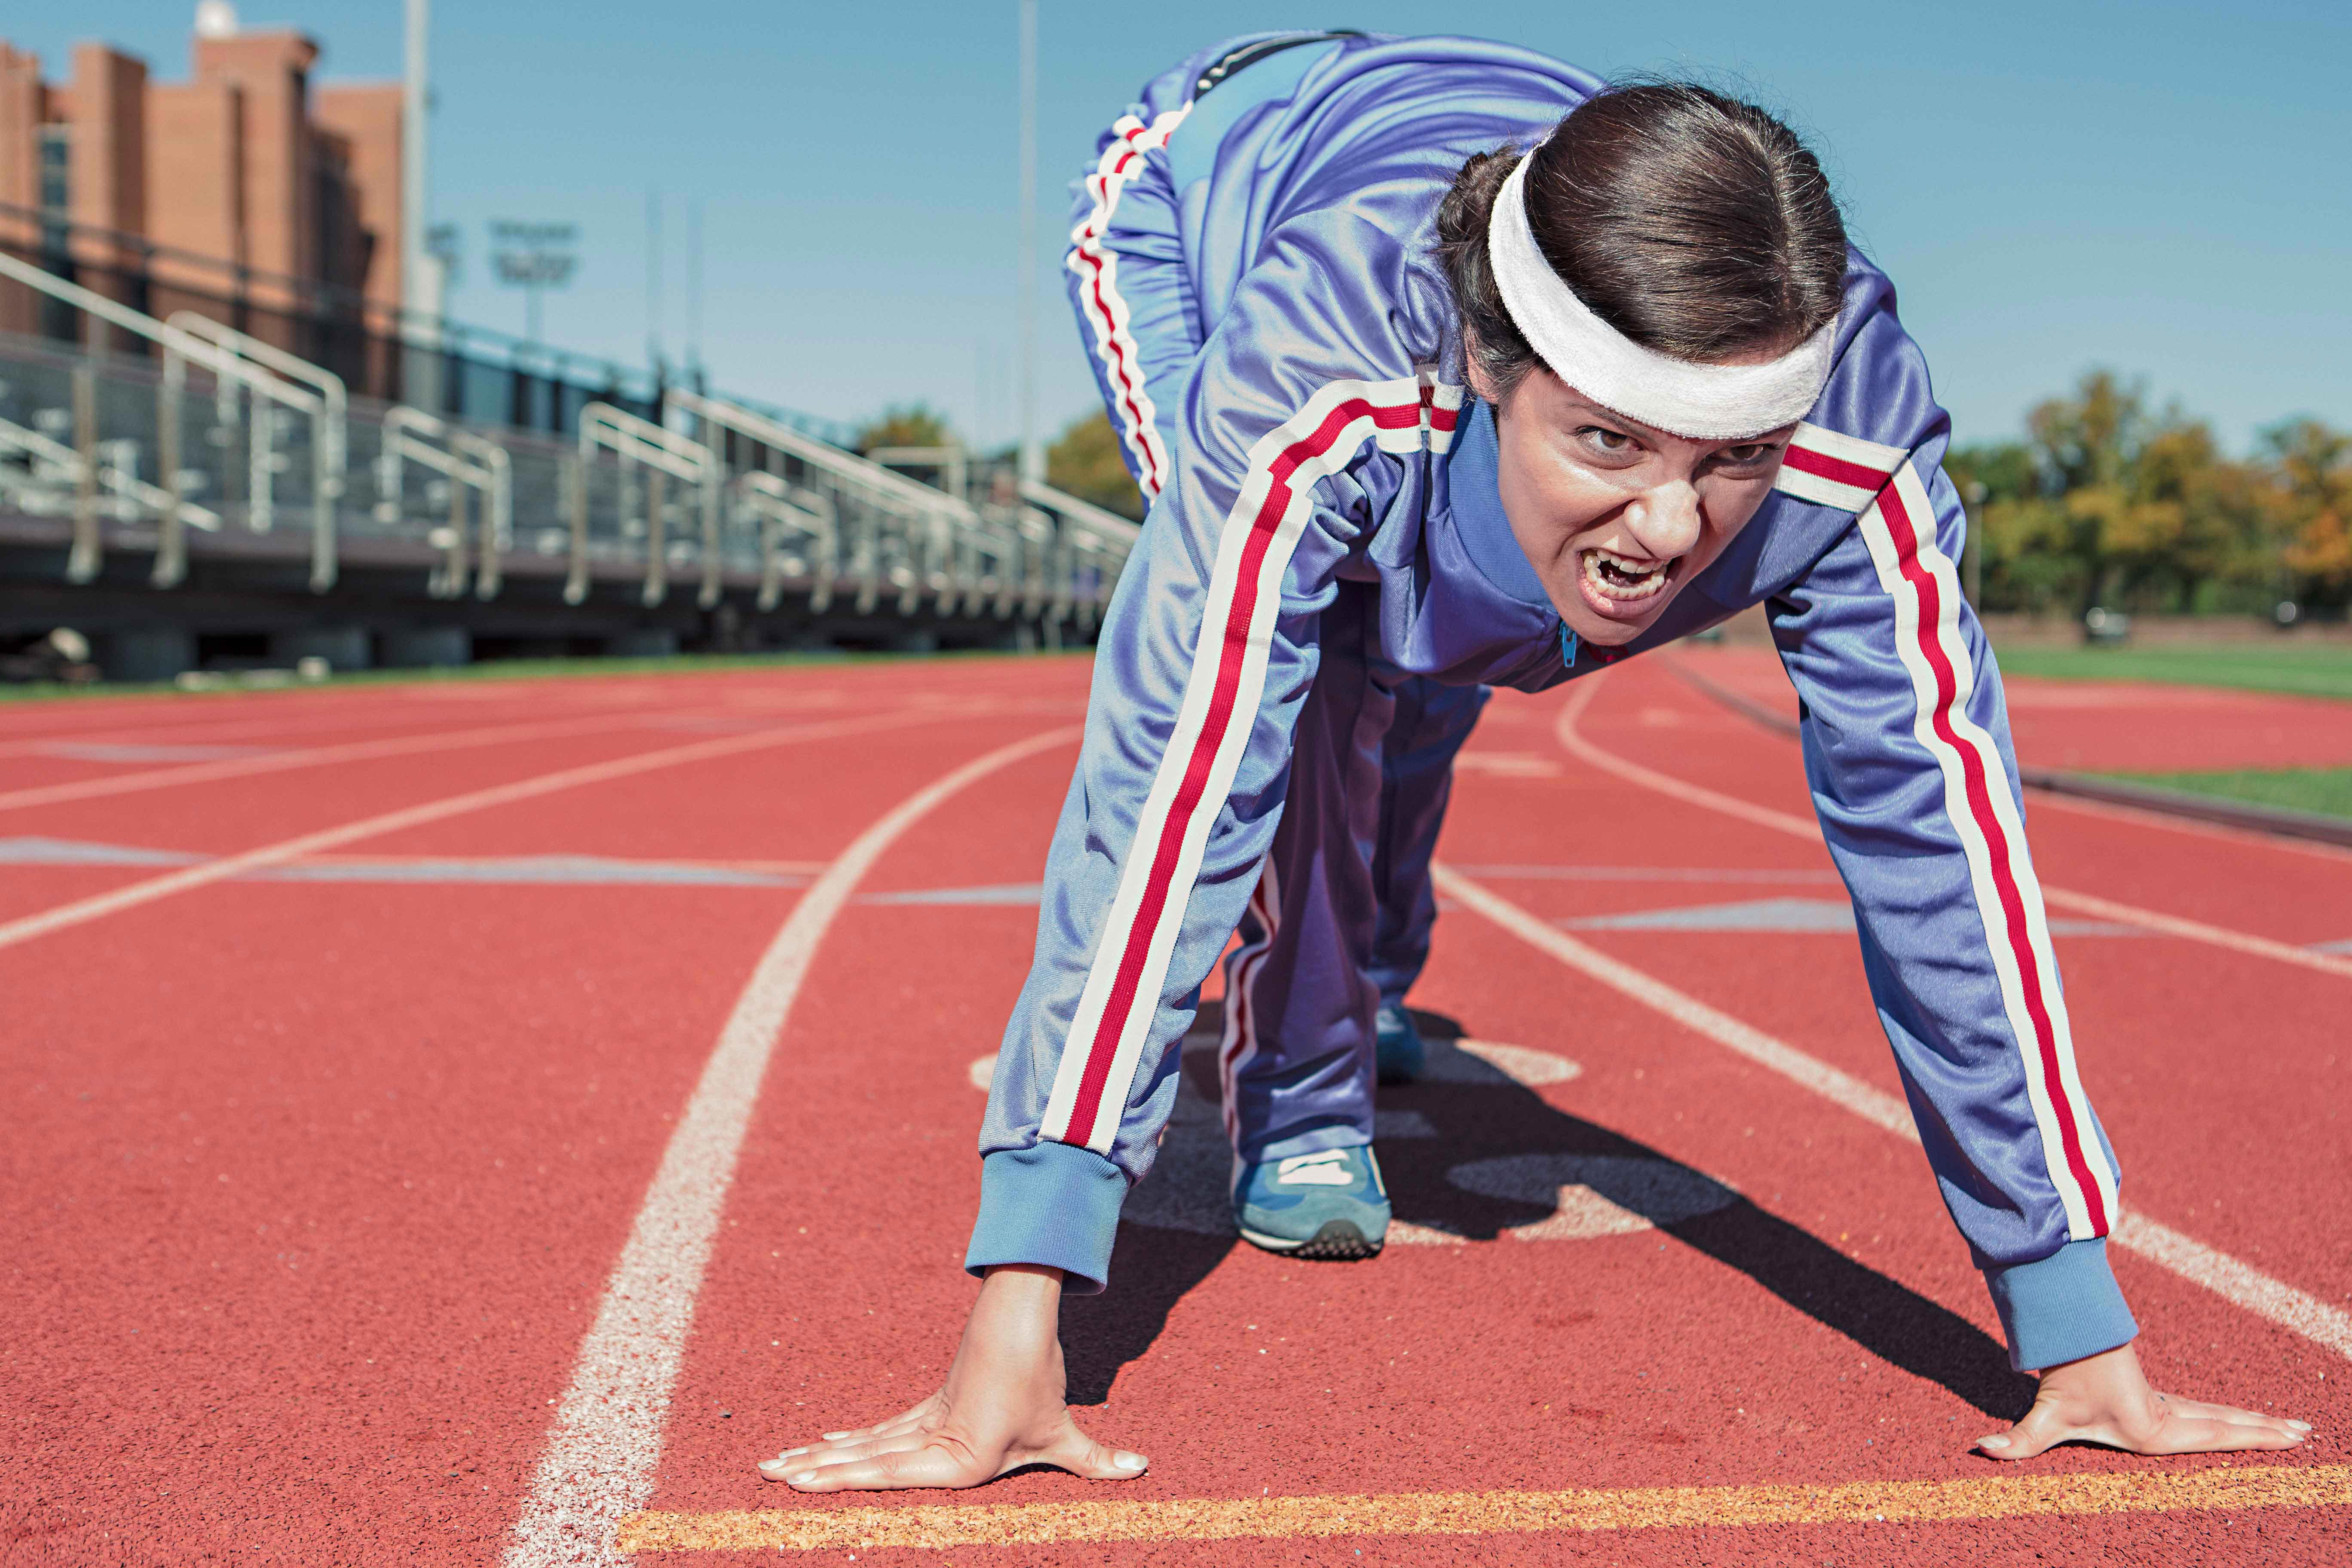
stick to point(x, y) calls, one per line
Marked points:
point(315, 1183)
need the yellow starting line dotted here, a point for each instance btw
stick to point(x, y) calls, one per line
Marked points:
point(1489, 1514)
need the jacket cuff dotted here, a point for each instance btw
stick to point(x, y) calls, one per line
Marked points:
point(1051, 1204)
point(2061, 1307)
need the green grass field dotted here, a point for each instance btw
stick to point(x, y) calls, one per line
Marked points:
point(2303, 670)
point(2325, 790)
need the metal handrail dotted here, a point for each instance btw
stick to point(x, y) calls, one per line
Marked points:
point(135, 497)
point(226, 366)
point(663, 451)
point(329, 385)
point(1088, 528)
point(781, 506)
point(464, 459)
point(940, 517)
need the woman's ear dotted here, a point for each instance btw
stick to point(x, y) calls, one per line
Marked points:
point(1483, 384)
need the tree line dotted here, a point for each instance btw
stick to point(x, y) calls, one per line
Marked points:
point(2110, 502)
point(2107, 501)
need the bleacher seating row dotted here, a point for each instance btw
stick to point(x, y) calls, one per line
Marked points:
point(190, 440)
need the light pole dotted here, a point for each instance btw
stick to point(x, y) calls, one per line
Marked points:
point(421, 275)
point(1031, 469)
point(535, 258)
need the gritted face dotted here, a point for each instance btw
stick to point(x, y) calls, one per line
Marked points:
point(1617, 516)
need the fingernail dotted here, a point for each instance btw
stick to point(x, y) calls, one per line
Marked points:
point(1126, 1462)
point(2300, 1426)
point(835, 1437)
point(789, 1452)
point(803, 1479)
point(1994, 1442)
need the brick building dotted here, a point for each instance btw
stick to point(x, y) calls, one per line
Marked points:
point(245, 170)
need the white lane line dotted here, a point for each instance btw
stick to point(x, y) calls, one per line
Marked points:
point(2234, 1282)
point(606, 1439)
point(1573, 740)
point(80, 911)
point(315, 756)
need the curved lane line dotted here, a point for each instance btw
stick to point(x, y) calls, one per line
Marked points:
point(606, 1440)
point(1572, 741)
point(2233, 1281)
point(98, 906)
point(278, 761)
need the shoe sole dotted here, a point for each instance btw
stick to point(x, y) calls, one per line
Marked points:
point(1338, 1242)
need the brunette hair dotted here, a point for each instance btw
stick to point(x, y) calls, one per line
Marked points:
point(1694, 224)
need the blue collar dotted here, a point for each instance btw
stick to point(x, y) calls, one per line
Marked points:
point(1478, 521)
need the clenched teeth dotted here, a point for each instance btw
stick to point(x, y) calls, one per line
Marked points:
point(1622, 577)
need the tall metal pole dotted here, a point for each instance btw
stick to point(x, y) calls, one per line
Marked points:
point(420, 279)
point(653, 284)
point(1032, 466)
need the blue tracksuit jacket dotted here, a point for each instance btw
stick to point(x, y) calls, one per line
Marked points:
point(1322, 444)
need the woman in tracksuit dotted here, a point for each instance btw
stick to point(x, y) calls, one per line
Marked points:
point(1443, 412)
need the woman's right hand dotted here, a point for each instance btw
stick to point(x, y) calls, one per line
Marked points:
point(1002, 1406)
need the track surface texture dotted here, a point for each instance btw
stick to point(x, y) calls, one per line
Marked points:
point(420, 1080)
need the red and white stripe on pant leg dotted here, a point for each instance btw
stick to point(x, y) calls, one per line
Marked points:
point(1239, 1042)
point(1883, 486)
point(1106, 312)
point(1129, 968)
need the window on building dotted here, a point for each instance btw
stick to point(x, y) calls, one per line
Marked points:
point(57, 185)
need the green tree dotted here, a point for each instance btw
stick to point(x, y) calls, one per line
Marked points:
point(912, 424)
point(1085, 460)
point(2310, 506)
point(2125, 503)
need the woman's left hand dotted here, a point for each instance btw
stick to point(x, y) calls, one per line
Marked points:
point(2106, 1399)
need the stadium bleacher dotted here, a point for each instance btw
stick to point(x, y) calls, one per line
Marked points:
point(193, 478)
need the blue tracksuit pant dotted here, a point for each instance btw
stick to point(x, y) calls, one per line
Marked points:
point(1342, 922)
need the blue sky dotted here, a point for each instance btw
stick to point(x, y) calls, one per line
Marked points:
point(2160, 188)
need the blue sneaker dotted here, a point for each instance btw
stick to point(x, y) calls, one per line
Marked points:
point(1396, 1052)
point(1330, 1204)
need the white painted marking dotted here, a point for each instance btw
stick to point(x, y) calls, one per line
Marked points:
point(1805, 827)
point(1533, 1068)
point(2234, 1282)
point(146, 892)
point(606, 1439)
point(983, 1072)
point(1593, 1196)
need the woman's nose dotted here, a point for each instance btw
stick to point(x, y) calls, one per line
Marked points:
point(1665, 519)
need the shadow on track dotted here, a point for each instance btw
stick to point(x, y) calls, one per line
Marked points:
point(1477, 1155)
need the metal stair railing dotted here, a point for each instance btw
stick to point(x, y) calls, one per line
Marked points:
point(779, 508)
point(229, 369)
point(901, 530)
point(464, 460)
point(1087, 532)
point(663, 453)
point(329, 445)
point(110, 467)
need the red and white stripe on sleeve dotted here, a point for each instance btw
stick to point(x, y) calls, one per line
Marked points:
point(1882, 485)
point(1129, 966)
point(1106, 312)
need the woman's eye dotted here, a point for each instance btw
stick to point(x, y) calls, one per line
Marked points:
point(1600, 439)
point(1746, 455)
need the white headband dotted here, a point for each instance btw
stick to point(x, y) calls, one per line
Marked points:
point(1704, 402)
